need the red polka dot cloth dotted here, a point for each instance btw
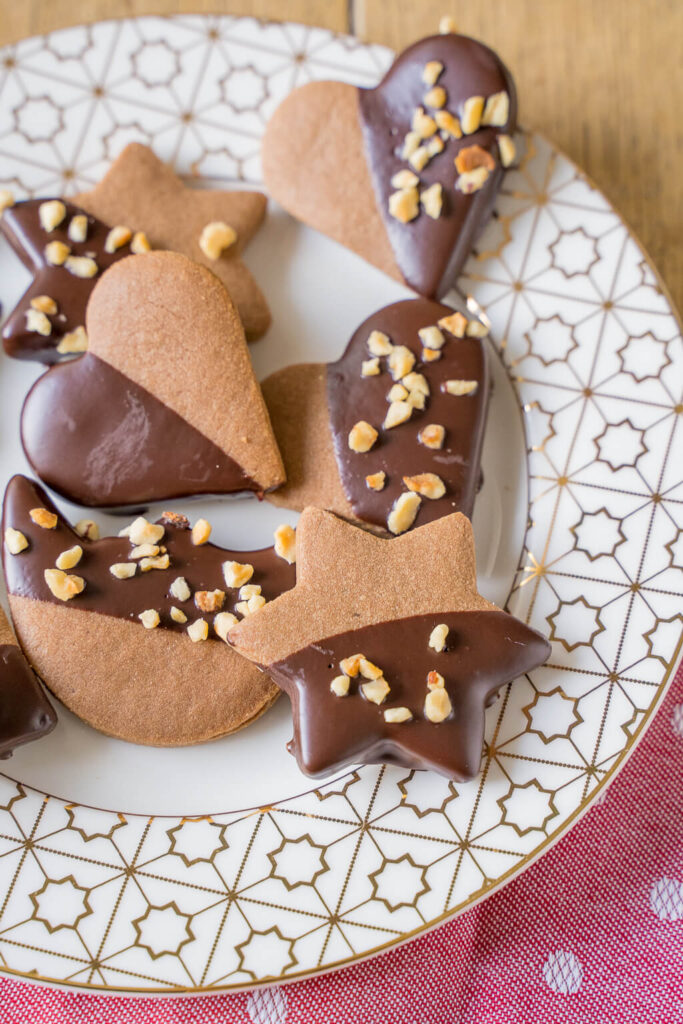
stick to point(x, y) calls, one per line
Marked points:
point(591, 933)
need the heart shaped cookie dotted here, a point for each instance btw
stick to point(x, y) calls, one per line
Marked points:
point(163, 404)
point(25, 712)
point(405, 174)
point(390, 434)
point(129, 631)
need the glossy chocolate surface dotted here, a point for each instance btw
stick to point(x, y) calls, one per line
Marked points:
point(200, 565)
point(485, 650)
point(397, 451)
point(430, 253)
point(25, 712)
point(98, 438)
point(21, 226)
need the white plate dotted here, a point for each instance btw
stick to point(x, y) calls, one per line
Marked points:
point(238, 871)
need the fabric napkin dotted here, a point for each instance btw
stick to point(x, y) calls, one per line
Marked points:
point(591, 934)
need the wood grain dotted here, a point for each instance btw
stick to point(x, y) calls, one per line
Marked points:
point(602, 78)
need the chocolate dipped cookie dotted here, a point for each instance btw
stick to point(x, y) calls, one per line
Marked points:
point(25, 712)
point(390, 434)
point(385, 648)
point(405, 174)
point(129, 631)
point(164, 403)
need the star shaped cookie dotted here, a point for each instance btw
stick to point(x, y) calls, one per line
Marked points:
point(386, 649)
point(143, 193)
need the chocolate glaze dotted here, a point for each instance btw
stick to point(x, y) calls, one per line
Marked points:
point(100, 439)
point(125, 599)
point(21, 226)
point(397, 451)
point(25, 712)
point(430, 253)
point(486, 649)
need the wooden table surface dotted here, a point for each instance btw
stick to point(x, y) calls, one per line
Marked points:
point(602, 78)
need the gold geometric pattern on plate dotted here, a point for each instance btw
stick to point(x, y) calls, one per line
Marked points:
point(583, 327)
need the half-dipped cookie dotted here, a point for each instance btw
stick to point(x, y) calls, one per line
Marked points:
point(405, 174)
point(25, 712)
point(390, 434)
point(385, 648)
point(129, 632)
point(164, 403)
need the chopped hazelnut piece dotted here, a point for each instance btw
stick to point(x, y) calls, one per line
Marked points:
point(405, 179)
point(432, 436)
point(44, 304)
point(175, 519)
point(376, 690)
point(351, 666)
point(460, 387)
point(370, 367)
point(15, 541)
point(447, 25)
point(88, 529)
point(215, 238)
point(379, 344)
point(69, 558)
point(430, 355)
point(209, 600)
point(145, 551)
point(117, 237)
point(201, 531)
point(199, 630)
point(404, 205)
point(73, 342)
point(340, 686)
point(472, 181)
point(223, 623)
point(476, 329)
point(368, 670)
point(419, 159)
point(143, 532)
point(252, 605)
point(376, 481)
point(180, 590)
point(362, 437)
point(416, 382)
point(507, 150)
point(41, 517)
point(397, 715)
point(438, 705)
point(177, 615)
point(429, 485)
point(123, 570)
point(249, 590)
point(423, 124)
point(417, 400)
point(403, 513)
point(448, 123)
point(471, 114)
point(410, 144)
point(6, 199)
point(497, 110)
point(471, 157)
point(455, 324)
point(51, 214)
point(432, 200)
point(140, 243)
point(431, 72)
point(400, 361)
point(285, 542)
point(78, 228)
point(397, 393)
point(236, 574)
point(437, 638)
point(431, 337)
point(81, 266)
point(436, 97)
point(397, 413)
point(435, 146)
point(435, 681)
point(62, 586)
point(56, 253)
point(38, 323)
point(149, 618)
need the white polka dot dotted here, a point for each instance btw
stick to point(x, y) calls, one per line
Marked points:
point(563, 972)
point(666, 899)
point(677, 720)
point(267, 1006)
